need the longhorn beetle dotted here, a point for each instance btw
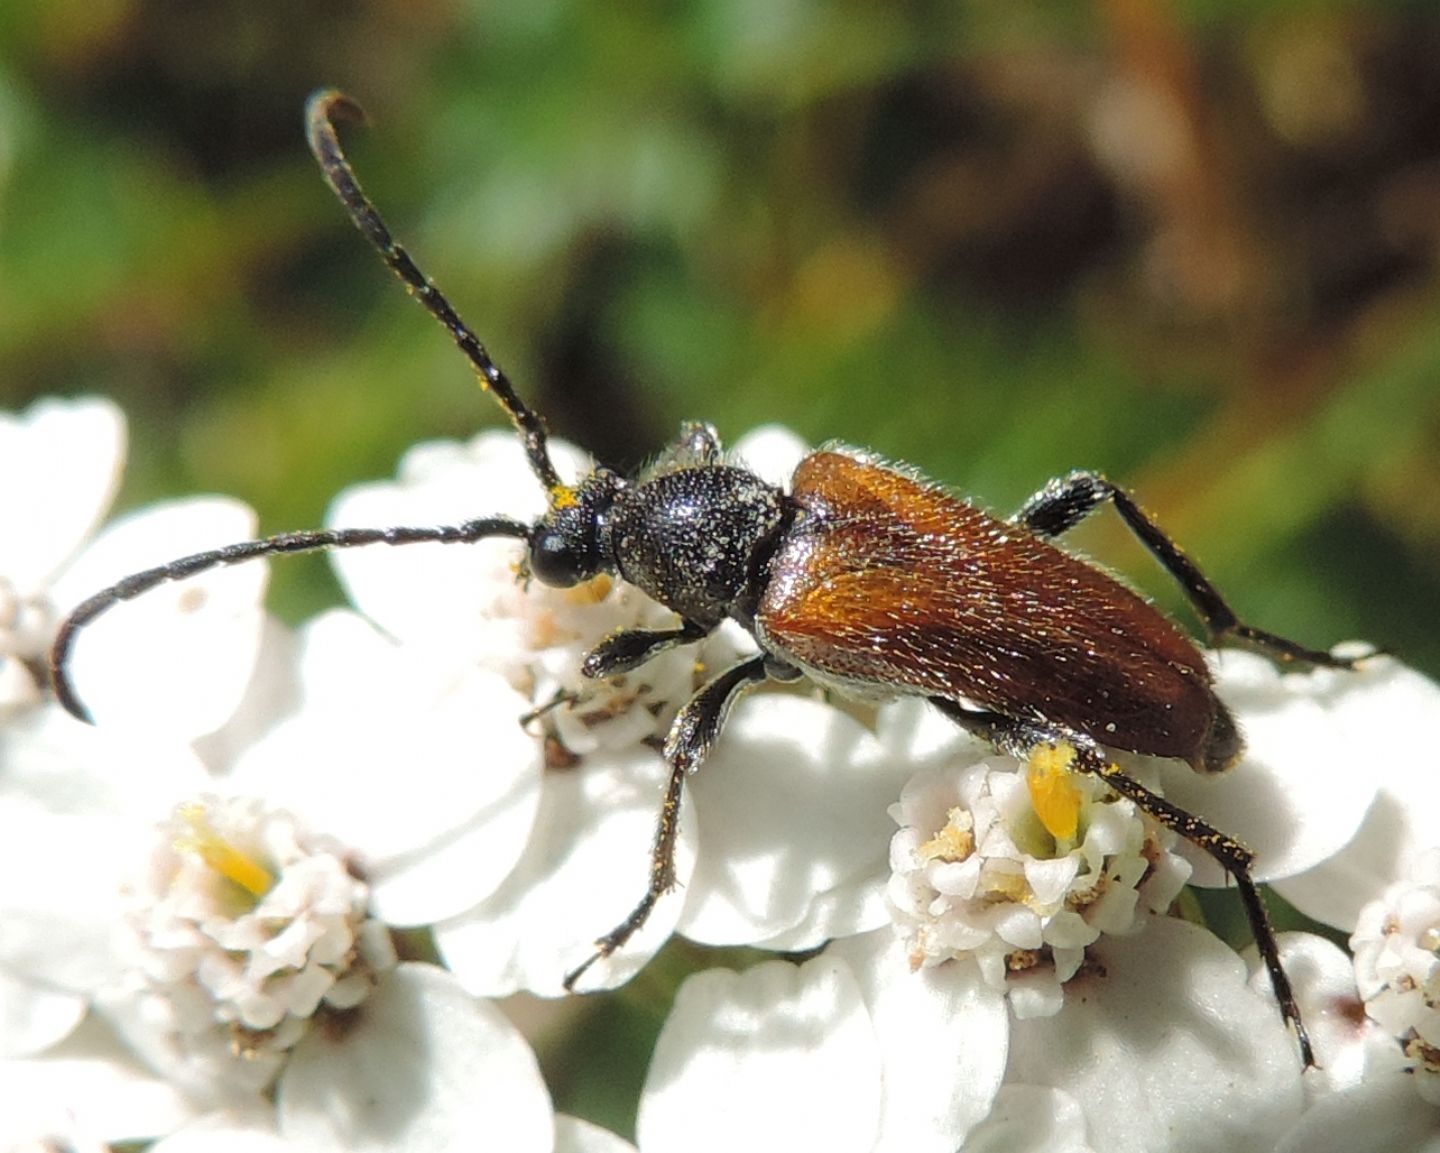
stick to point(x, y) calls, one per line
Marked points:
point(861, 577)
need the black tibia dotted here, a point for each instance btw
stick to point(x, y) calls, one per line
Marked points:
point(662, 879)
point(1066, 501)
point(291, 542)
point(698, 724)
point(1018, 738)
point(690, 740)
point(321, 111)
point(630, 648)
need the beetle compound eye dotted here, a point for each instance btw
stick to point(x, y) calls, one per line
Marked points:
point(557, 560)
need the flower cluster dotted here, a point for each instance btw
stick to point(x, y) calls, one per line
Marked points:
point(218, 882)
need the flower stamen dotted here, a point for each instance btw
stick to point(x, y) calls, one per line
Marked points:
point(1053, 791)
point(202, 841)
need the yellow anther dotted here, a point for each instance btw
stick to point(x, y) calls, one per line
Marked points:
point(201, 840)
point(955, 842)
point(1053, 791)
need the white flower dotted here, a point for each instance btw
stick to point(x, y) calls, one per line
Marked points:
point(422, 770)
point(424, 787)
point(1164, 1046)
point(1363, 1094)
point(849, 1051)
point(243, 927)
point(125, 665)
point(86, 1093)
point(421, 1067)
point(1395, 796)
point(1397, 968)
point(42, 526)
point(978, 875)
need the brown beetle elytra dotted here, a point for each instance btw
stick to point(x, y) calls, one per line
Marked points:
point(862, 577)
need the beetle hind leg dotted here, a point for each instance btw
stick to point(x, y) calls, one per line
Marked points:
point(1066, 501)
point(1020, 739)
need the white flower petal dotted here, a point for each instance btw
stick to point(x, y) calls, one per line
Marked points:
point(771, 451)
point(1031, 1119)
point(1302, 787)
point(232, 1131)
point(42, 525)
point(71, 769)
point(34, 1016)
point(423, 1066)
point(943, 1036)
point(177, 659)
point(1168, 1049)
point(1402, 820)
point(584, 870)
point(792, 808)
point(18, 690)
point(430, 778)
point(273, 693)
point(87, 1086)
point(574, 1135)
point(1383, 1112)
point(1348, 1047)
point(56, 927)
point(777, 1057)
point(1396, 947)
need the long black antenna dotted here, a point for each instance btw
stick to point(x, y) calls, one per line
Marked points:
point(290, 542)
point(322, 110)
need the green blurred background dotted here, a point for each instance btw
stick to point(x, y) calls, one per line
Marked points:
point(1192, 243)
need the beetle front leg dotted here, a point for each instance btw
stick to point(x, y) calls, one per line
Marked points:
point(690, 739)
point(630, 648)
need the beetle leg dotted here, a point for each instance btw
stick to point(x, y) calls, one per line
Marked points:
point(629, 648)
point(689, 742)
point(696, 446)
point(697, 725)
point(1231, 856)
point(1066, 501)
point(1018, 738)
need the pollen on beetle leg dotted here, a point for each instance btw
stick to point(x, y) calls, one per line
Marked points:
point(243, 928)
point(1020, 867)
